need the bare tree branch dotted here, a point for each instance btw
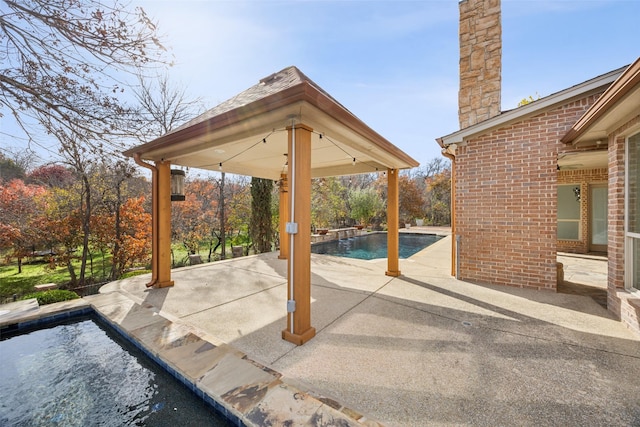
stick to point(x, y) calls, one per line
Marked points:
point(63, 63)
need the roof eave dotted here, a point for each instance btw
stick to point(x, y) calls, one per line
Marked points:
point(591, 86)
point(302, 92)
point(625, 83)
point(223, 120)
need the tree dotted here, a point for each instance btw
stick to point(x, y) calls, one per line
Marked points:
point(61, 225)
point(237, 209)
point(187, 222)
point(135, 238)
point(433, 181)
point(365, 204)
point(79, 158)
point(438, 198)
point(63, 63)
point(52, 176)
point(114, 184)
point(222, 215)
point(260, 228)
point(205, 193)
point(10, 170)
point(529, 100)
point(328, 202)
point(410, 200)
point(162, 107)
point(20, 205)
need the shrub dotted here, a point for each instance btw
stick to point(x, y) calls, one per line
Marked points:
point(134, 273)
point(54, 295)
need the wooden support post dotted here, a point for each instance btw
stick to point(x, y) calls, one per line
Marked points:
point(393, 224)
point(284, 217)
point(163, 211)
point(154, 225)
point(299, 328)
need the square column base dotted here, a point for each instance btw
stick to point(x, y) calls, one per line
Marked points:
point(299, 339)
point(393, 273)
point(165, 284)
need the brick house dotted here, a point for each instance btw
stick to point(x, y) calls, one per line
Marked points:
point(561, 173)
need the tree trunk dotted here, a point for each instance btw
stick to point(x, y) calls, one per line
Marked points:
point(85, 227)
point(260, 224)
point(72, 273)
point(116, 267)
point(223, 242)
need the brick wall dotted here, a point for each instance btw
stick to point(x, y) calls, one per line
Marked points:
point(622, 303)
point(506, 189)
point(584, 179)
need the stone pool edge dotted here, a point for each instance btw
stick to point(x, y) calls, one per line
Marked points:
point(243, 390)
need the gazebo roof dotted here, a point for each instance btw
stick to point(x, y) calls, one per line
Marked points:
point(247, 134)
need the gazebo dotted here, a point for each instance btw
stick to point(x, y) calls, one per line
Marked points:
point(284, 128)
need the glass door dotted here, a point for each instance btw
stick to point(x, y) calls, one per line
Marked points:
point(598, 217)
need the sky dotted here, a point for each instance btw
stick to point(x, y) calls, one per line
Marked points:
point(393, 63)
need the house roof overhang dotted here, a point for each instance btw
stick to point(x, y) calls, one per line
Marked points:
point(617, 105)
point(248, 135)
point(505, 118)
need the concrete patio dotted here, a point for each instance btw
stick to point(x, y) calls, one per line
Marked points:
point(420, 349)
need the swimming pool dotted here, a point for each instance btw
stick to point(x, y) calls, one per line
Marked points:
point(374, 245)
point(79, 372)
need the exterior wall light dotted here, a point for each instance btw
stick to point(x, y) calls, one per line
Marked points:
point(177, 185)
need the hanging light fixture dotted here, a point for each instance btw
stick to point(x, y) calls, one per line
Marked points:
point(177, 185)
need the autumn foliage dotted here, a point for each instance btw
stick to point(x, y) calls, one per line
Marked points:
point(45, 214)
point(20, 206)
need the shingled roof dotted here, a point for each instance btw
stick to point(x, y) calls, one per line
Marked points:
point(227, 133)
point(270, 85)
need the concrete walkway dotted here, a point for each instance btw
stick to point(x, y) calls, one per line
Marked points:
point(418, 350)
point(421, 349)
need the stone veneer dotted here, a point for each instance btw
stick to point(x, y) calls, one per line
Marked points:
point(480, 61)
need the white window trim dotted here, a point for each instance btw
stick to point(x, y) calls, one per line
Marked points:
point(579, 220)
point(628, 236)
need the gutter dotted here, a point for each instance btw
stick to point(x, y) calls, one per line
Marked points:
point(450, 153)
point(154, 218)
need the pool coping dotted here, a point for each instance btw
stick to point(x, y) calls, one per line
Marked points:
point(244, 391)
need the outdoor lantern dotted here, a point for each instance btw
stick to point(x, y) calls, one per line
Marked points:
point(177, 185)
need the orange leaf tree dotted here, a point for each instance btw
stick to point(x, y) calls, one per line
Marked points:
point(135, 239)
point(20, 205)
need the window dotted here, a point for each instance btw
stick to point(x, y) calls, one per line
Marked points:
point(632, 210)
point(569, 212)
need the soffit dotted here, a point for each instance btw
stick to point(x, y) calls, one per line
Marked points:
point(617, 105)
point(596, 159)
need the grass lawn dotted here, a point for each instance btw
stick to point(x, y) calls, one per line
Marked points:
point(12, 282)
point(37, 272)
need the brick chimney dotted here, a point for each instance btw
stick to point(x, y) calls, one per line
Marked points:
point(480, 61)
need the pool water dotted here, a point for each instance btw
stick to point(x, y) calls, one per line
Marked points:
point(374, 245)
point(81, 374)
